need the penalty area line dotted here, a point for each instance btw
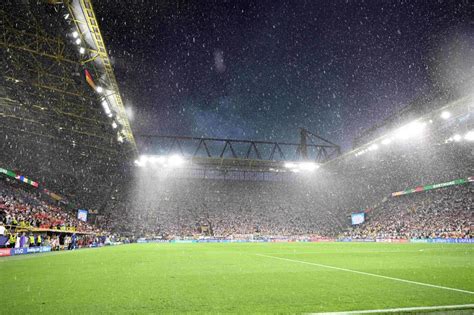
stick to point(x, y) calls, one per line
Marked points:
point(403, 309)
point(368, 274)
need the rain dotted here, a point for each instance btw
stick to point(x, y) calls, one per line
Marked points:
point(253, 122)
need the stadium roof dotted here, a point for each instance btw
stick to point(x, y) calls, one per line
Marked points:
point(89, 35)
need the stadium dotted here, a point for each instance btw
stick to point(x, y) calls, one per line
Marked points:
point(101, 213)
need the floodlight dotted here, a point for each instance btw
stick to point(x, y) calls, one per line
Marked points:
point(445, 115)
point(106, 107)
point(129, 112)
point(78, 41)
point(75, 34)
point(175, 160)
point(120, 139)
point(99, 89)
point(82, 50)
point(157, 159)
point(373, 147)
point(138, 163)
point(360, 152)
point(411, 130)
point(114, 125)
point(143, 159)
point(469, 136)
point(307, 166)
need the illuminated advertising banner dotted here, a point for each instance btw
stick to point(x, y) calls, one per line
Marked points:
point(82, 215)
point(358, 218)
point(443, 240)
point(19, 251)
point(5, 252)
point(433, 186)
point(29, 250)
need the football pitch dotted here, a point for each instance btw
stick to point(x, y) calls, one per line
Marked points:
point(240, 278)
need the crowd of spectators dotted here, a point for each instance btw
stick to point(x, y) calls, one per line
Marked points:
point(156, 204)
point(318, 204)
point(441, 213)
point(221, 208)
point(27, 220)
point(26, 209)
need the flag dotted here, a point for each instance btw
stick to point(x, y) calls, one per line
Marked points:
point(89, 79)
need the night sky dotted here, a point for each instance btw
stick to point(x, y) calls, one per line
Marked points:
point(261, 69)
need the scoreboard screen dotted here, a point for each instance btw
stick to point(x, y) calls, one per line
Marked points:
point(82, 215)
point(358, 218)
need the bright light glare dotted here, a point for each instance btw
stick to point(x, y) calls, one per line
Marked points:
point(308, 166)
point(114, 125)
point(138, 163)
point(301, 166)
point(99, 89)
point(82, 50)
point(106, 108)
point(373, 147)
point(411, 130)
point(445, 115)
point(175, 160)
point(469, 136)
point(129, 112)
point(163, 161)
point(386, 141)
point(361, 152)
point(120, 138)
point(157, 159)
point(143, 159)
point(457, 137)
point(78, 41)
point(75, 34)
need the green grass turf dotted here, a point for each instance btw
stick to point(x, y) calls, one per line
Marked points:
point(165, 278)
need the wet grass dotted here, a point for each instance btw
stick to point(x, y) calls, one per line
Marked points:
point(223, 278)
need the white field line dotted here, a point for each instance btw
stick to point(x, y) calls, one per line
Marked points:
point(296, 252)
point(368, 274)
point(404, 309)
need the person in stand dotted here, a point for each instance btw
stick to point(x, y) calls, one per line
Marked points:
point(66, 242)
point(2, 229)
point(38, 240)
point(12, 240)
point(23, 240)
point(72, 245)
point(32, 240)
point(18, 241)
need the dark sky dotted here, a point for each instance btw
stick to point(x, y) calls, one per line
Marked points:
point(261, 69)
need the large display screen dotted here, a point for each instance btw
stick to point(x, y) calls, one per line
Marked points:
point(82, 215)
point(358, 218)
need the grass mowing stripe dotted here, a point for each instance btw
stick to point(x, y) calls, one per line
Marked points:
point(403, 309)
point(368, 274)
